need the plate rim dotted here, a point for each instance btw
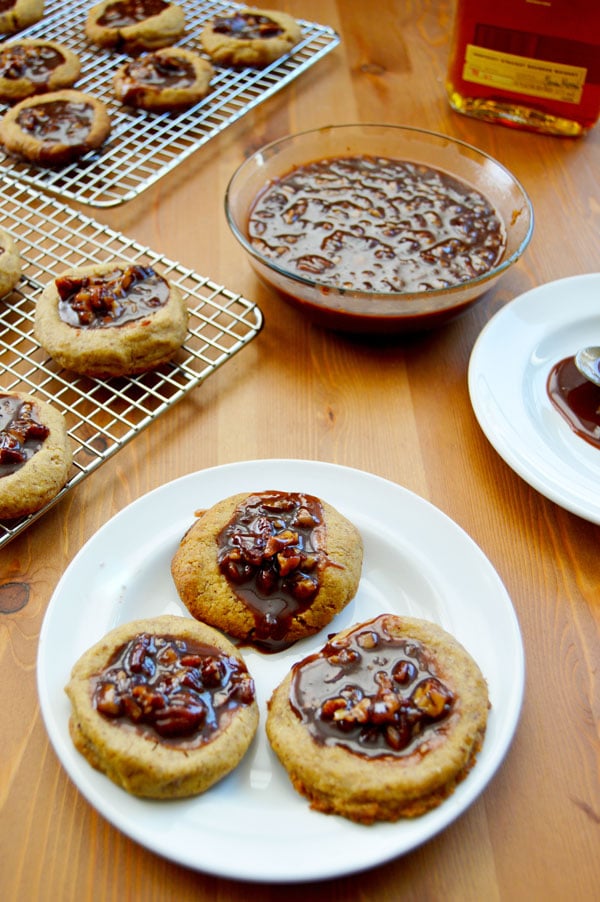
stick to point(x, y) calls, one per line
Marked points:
point(428, 825)
point(550, 485)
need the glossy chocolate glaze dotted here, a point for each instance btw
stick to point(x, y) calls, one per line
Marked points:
point(58, 121)
point(33, 63)
point(21, 433)
point(372, 693)
point(177, 689)
point(376, 224)
point(129, 12)
point(272, 552)
point(576, 399)
point(159, 71)
point(112, 299)
point(247, 27)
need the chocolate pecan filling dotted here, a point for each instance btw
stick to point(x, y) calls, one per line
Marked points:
point(93, 302)
point(247, 27)
point(33, 63)
point(21, 433)
point(372, 693)
point(377, 224)
point(161, 71)
point(177, 689)
point(129, 12)
point(272, 553)
point(60, 121)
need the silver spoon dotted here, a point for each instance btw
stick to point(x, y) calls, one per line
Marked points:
point(587, 361)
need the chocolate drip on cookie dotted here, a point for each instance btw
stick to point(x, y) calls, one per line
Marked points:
point(112, 299)
point(21, 433)
point(272, 554)
point(372, 693)
point(178, 689)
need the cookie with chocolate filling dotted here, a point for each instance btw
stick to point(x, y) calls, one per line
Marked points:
point(35, 455)
point(383, 722)
point(268, 567)
point(29, 67)
point(111, 319)
point(163, 81)
point(165, 707)
point(132, 26)
point(18, 14)
point(249, 37)
point(55, 128)
point(10, 262)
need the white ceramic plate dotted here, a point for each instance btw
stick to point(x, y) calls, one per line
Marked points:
point(253, 825)
point(508, 372)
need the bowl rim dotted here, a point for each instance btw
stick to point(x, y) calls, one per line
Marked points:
point(433, 293)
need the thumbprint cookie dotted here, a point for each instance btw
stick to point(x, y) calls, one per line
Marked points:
point(249, 37)
point(111, 319)
point(10, 262)
point(165, 707)
point(35, 455)
point(132, 26)
point(29, 67)
point(55, 128)
point(18, 14)
point(268, 567)
point(166, 80)
point(383, 722)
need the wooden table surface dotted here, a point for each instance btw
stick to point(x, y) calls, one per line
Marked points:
point(399, 409)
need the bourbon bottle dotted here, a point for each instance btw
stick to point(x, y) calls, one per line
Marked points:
point(532, 64)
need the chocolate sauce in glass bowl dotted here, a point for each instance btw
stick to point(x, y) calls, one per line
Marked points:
point(576, 399)
point(376, 224)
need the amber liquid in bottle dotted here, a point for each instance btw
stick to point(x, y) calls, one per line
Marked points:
point(532, 64)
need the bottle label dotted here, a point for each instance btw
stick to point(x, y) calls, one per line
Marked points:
point(523, 75)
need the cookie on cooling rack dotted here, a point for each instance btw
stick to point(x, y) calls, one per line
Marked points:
point(55, 128)
point(31, 66)
point(249, 37)
point(268, 567)
point(16, 15)
point(383, 722)
point(165, 707)
point(165, 80)
point(10, 262)
point(111, 319)
point(132, 26)
point(35, 454)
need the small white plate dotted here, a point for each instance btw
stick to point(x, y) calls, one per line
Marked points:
point(253, 825)
point(508, 373)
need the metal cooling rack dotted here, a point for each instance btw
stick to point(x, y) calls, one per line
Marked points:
point(143, 147)
point(102, 415)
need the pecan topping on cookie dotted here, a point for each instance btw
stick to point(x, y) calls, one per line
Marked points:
point(112, 299)
point(173, 687)
point(21, 433)
point(272, 553)
point(247, 26)
point(32, 62)
point(372, 693)
point(128, 12)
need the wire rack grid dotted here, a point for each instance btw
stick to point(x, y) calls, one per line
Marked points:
point(143, 147)
point(102, 415)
